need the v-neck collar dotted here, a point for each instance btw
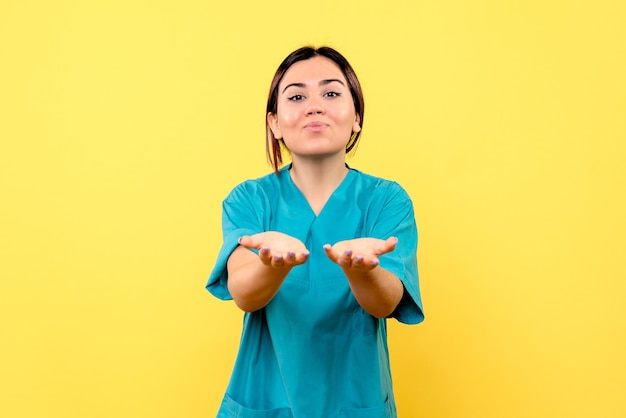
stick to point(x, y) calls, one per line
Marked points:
point(333, 196)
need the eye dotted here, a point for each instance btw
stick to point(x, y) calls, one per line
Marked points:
point(332, 94)
point(296, 98)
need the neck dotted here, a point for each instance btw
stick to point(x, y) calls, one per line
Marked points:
point(318, 179)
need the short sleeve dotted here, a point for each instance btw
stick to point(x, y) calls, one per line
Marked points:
point(242, 214)
point(396, 219)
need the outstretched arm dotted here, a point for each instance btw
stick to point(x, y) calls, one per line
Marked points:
point(253, 280)
point(377, 290)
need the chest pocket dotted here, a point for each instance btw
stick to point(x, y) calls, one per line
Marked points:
point(230, 408)
point(380, 411)
point(298, 278)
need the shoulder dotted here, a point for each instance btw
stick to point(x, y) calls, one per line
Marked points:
point(379, 188)
point(264, 186)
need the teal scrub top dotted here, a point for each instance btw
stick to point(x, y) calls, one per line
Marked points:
point(312, 351)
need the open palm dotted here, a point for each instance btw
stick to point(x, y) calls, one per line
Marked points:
point(360, 253)
point(276, 249)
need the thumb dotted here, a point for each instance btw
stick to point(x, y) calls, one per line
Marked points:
point(248, 241)
point(390, 244)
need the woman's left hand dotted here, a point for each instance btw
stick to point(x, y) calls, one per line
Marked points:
point(360, 254)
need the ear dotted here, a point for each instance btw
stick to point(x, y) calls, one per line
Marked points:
point(356, 126)
point(272, 122)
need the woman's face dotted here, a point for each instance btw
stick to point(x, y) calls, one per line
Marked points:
point(315, 114)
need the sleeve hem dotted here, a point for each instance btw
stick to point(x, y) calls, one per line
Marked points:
point(217, 283)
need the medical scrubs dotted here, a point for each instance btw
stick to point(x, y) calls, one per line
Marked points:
point(313, 352)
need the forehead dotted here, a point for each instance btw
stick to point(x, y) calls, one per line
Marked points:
point(312, 71)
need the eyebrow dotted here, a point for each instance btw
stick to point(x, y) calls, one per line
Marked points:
point(321, 83)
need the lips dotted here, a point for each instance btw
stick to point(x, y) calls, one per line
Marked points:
point(315, 126)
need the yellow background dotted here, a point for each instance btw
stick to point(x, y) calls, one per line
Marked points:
point(124, 123)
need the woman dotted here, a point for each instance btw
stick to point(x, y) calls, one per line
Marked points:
point(318, 255)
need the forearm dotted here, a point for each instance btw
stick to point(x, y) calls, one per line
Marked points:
point(251, 283)
point(378, 291)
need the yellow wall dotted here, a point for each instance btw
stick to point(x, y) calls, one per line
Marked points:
point(124, 123)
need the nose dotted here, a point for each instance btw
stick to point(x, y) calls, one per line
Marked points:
point(315, 108)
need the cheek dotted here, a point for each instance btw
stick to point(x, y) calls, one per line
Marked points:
point(287, 120)
point(346, 117)
point(286, 117)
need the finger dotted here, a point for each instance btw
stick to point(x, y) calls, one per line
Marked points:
point(277, 261)
point(249, 242)
point(357, 261)
point(302, 257)
point(293, 258)
point(370, 262)
point(330, 253)
point(290, 258)
point(265, 255)
point(347, 259)
point(364, 263)
point(388, 245)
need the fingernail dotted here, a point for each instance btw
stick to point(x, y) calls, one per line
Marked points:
point(348, 253)
point(374, 263)
point(239, 240)
point(291, 254)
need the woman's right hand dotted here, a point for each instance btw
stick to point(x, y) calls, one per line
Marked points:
point(276, 249)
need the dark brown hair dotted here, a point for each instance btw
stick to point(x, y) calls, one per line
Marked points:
point(272, 144)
